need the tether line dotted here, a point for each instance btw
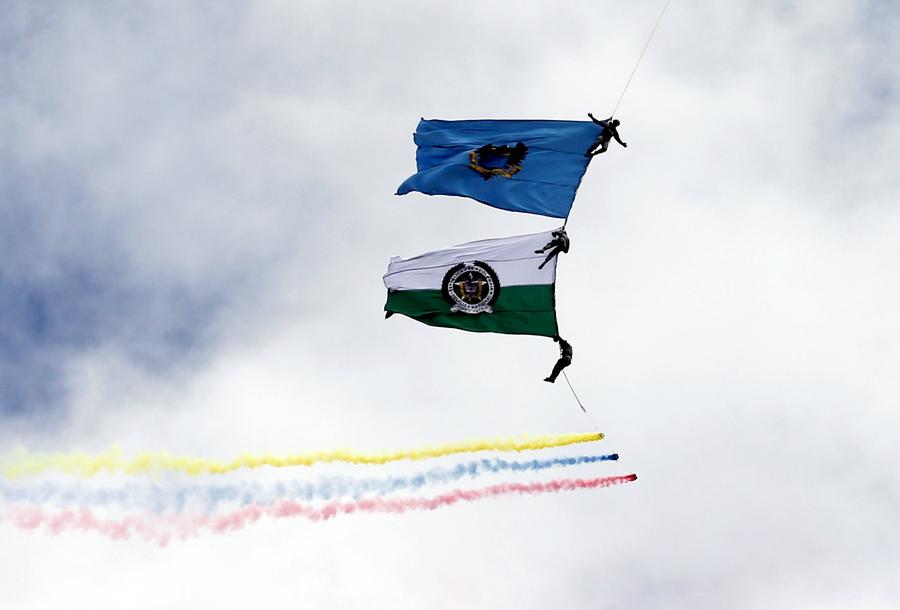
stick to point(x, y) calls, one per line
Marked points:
point(578, 400)
point(641, 56)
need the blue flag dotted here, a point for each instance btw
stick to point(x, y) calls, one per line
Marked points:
point(521, 166)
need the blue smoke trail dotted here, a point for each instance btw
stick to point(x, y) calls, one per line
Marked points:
point(159, 499)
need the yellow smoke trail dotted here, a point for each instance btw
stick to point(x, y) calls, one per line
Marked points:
point(21, 463)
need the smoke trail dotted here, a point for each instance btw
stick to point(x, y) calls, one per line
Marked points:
point(159, 499)
point(163, 529)
point(86, 465)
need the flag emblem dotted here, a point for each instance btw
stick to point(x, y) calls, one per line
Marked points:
point(471, 287)
point(505, 161)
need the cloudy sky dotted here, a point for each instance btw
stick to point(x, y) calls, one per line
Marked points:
point(196, 208)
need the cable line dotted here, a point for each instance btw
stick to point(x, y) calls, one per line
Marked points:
point(588, 415)
point(641, 56)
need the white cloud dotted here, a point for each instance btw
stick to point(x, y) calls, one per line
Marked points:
point(730, 295)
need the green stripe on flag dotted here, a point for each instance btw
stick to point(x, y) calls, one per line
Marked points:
point(520, 310)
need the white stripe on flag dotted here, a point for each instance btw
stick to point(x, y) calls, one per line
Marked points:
point(512, 258)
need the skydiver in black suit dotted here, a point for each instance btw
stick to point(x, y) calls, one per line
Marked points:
point(609, 131)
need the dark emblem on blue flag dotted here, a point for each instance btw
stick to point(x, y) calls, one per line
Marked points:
point(471, 288)
point(505, 161)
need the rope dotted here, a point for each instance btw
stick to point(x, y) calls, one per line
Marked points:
point(641, 56)
point(566, 220)
point(588, 415)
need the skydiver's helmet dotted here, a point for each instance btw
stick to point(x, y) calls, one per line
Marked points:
point(614, 122)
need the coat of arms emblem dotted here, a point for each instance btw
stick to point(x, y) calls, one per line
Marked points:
point(471, 287)
point(505, 161)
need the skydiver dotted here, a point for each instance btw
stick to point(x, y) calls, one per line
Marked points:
point(565, 358)
point(609, 131)
point(559, 243)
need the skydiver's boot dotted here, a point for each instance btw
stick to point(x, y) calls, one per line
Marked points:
point(554, 374)
point(557, 369)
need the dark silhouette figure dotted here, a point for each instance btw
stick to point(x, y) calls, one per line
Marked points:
point(565, 358)
point(559, 243)
point(609, 131)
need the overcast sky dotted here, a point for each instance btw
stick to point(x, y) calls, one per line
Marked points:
point(196, 209)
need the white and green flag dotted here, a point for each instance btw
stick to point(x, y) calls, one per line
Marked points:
point(492, 285)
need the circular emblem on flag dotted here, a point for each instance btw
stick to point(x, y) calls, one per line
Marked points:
point(471, 287)
point(504, 161)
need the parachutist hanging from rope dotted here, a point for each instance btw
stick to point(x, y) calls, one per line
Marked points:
point(559, 243)
point(609, 131)
point(565, 359)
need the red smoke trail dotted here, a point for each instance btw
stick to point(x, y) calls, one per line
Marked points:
point(163, 528)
